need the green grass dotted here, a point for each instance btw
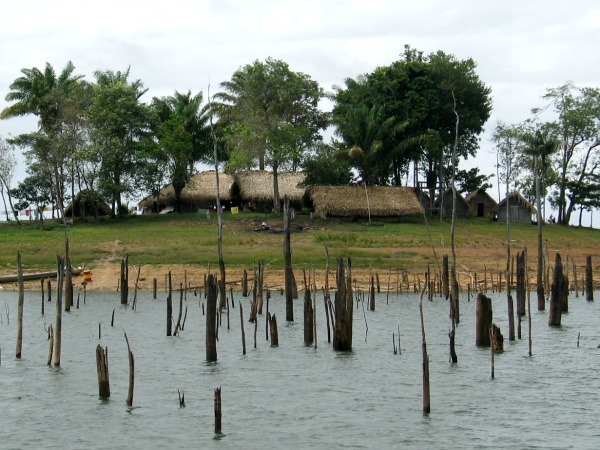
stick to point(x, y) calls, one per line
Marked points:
point(191, 239)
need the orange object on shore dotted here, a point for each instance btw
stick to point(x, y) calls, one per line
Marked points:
point(87, 276)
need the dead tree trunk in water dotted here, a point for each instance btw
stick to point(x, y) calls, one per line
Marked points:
point(68, 275)
point(521, 284)
point(287, 253)
point(20, 306)
point(308, 315)
point(245, 284)
point(58, 328)
point(589, 280)
point(218, 413)
point(273, 328)
point(342, 335)
point(483, 320)
point(511, 319)
point(557, 293)
point(211, 318)
point(426, 395)
point(243, 332)
point(129, 400)
point(445, 277)
point(102, 369)
point(170, 307)
point(124, 280)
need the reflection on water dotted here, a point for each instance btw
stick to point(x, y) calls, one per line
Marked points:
point(295, 395)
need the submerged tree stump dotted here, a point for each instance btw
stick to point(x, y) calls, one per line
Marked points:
point(483, 320)
point(497, 339)
point(445, 277)
point(58, 327)
point(20, 307)
point(521, 287)
point(342, 334)
point(129, 400)
point(218, 412)
point(243, 332)
point(124, 280)
point(287, 253)
point(558, 292)
point(372, 295)
point(589, 280)
point(211, 318)
point(102, 368)
point(308, 317)
point(273, 328)
point(245, 284)
point(170, 307)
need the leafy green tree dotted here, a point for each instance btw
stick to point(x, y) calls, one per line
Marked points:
point(118, 122)
point(35, 189)
point(271, 116)
point(470, 180)
point(7, 170)
point(323, 166)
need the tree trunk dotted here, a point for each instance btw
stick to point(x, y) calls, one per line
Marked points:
point(308, 317)
point(102, 369)
point(483, 320)
point(20, 307)
point(342, 335)
point(129, 400)
point(211, 318)
point(287, 253)
point(589, 279)
point(557, 293)
point(58, 329)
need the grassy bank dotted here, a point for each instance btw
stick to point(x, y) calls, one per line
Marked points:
point(192, 239)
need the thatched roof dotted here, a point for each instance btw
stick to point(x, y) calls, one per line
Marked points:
point(517, 198)
point(384, 201)
point(480, 192)
point(201, 187)
point(257, 185)
point(84, 199)
point(448, 199)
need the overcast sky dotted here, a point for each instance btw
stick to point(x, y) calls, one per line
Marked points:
point(521, 47)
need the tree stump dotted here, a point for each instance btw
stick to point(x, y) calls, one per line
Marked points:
point(557, 293)
point(497, 339)
point(308, 317)
point(483, 320)
point(211, 318)
point(589, 280)
point(273, 328)
point(102, 368)
point(342, 332)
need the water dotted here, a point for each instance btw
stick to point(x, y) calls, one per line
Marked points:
point(295, 396)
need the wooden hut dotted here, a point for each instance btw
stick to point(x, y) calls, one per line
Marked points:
point(355, 201)
point(200, 192)
point(521, 210)
point(462, 208)
point(480, 203)
point(87, 203)
point(255, 192)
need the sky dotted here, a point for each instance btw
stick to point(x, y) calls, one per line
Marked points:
point(521, 47)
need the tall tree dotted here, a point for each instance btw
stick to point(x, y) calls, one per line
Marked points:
point(46, 95)
point(7, 170)
point(118, 121)
point(271, 116)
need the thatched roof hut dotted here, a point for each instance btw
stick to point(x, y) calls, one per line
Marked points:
point(87, 204)
point(480, 203)
point(521, 210)
point(462, 208)
point(351, 201)
point(199, 192)
point(254, 189)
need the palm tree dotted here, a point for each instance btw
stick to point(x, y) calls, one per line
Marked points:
point(540, 144)
point(44, 94)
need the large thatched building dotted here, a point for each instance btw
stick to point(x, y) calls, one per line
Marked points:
point(87, 203)
point(355, 201)
point(199, 193)
point(253, 190)
point(480, 203)
point(517, 208)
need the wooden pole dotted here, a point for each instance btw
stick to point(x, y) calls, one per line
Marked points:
point(511, 319)
point(242, 327)
point(102, 369)
point(211, 318)
point(68, 289)
point(287, 253)
point(129, 400)
point(178, 326)
point(50, 344)
point(20, 307)
point(372, 296)
point(154, 287)
point(273, 326)
point(483, 320)
point(245, 284)
point(218, 413)
point(58, 326)
point(342, 334)
point(124, 280)
point(589, 279)
point(426, 392)
point(169, 306)
point(135, 287)
point(308, 315)
point(42, 287)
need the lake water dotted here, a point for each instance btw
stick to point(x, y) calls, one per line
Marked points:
point(294, 396)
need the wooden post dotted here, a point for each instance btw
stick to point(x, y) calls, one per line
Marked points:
point(426, 394)
point(589, 279)
point(520, 287)
point(308, 315)
point(102, 369)
point(20, 307)
point(50, 344)
point(342, 334)
point(42, 287)
point(68, 289)
point(178, 326)
point(575, 280)
point(218, 413)
point(154, 287)
point(511, 319)
point(273, 326)
point(135, 287)
point(483, 320)
point(211, 318)
point(129, 400)
point(58, 327)
point(242, 327)
point(497, 342)
point(124, 280)
point(372, 296)
point(445, 277)
point(557, 293)
point(245, 284)
point(287, 253)
point(169, 306)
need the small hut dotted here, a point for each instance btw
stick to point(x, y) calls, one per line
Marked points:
point(354, 201)
point(199, 192)
point(480, 203)
point(462, 208)
point(521, 210)
point(87, 203)
point(254, 189)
